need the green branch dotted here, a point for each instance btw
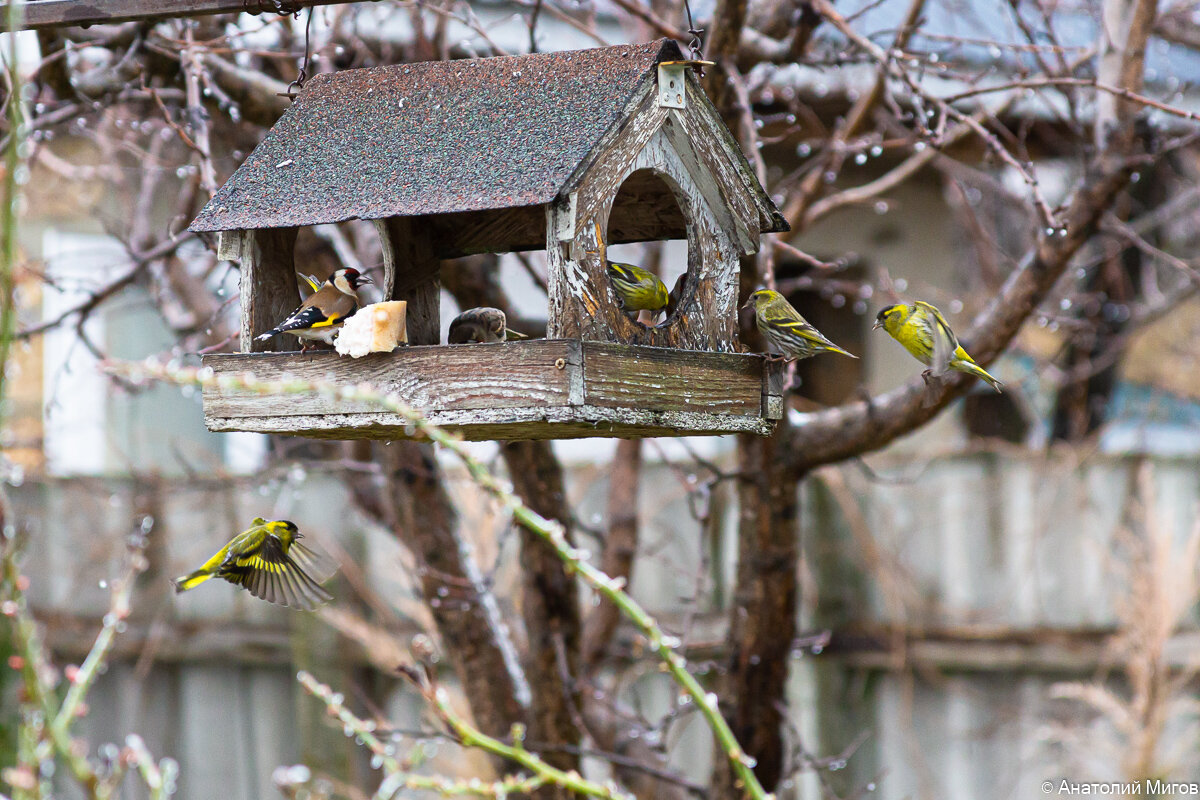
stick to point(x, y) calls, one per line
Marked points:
point(11, 198)
point(397, 777)
point(46, 730)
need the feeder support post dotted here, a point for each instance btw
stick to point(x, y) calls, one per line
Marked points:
point(411, 272)
point(268, 285)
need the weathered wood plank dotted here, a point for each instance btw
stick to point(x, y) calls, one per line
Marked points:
point(717, 184)
point(719, 150)
point(617, 376)
point(539, 389)
point(509, 230)
point(509, 424)
point(772, 399)
point(39, 14)
point(269, 291)
point(462, 377)
point(412, 273)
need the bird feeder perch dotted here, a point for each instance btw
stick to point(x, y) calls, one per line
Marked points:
point(563, 152)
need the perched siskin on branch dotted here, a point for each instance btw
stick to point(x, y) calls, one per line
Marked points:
point(924, 332)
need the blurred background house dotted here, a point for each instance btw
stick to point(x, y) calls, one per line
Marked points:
point(972, 577)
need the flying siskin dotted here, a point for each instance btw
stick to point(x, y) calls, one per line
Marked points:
point(267, 561)
point(924, 332)
point(788, 332)
point(320, 317)
point(638, 289)
point(481, 325)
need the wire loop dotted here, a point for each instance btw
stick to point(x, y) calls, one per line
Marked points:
point(696, 45)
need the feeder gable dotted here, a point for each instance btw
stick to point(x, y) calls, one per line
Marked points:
point(663, 173)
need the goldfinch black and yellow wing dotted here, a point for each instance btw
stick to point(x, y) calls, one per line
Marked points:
point(307, 319)
point(272, 574)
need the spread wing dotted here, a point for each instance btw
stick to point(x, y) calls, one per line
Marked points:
point(270, 574)
point(318, 566)
point(944, 342)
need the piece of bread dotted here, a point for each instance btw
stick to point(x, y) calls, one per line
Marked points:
point(376, 328)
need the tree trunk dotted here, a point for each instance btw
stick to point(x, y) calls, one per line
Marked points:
point(763, 620)
point(620, 546)
point(414, 503)
point(550, 607)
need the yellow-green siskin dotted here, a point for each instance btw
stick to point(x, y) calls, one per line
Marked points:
point(924, 332)
point(481, 325)
point(784, 328)
point(267, 561)
point(637, 289)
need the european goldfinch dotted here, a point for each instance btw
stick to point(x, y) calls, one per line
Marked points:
point(783, 327)
point(638, 289)
point(319, 318)
point(481, 325)
point(267, 561)
point(924, 332)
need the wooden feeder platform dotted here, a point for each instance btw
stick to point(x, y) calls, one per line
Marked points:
point(537, 389)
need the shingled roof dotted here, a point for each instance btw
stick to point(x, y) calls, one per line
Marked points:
point(433, 138)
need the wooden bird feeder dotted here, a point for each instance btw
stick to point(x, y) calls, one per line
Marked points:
point(546, 151)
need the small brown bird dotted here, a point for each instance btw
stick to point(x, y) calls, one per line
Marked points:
point(481, 325)
point(320, 317)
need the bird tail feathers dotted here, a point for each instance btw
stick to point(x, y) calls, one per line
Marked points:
point(191, 580)
point(974, 369)
point(262, 337)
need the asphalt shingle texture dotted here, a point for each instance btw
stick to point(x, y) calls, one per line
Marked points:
point(432, 138)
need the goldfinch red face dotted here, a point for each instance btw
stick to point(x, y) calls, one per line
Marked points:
point(348, 279)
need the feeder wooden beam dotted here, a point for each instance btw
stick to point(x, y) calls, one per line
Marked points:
point(538, 389)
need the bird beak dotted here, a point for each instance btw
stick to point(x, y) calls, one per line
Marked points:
point(746, 304)
point(877, 325)
point(365, 279)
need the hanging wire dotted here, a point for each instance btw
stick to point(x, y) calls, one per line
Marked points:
point(696, 45)
point(295, 86)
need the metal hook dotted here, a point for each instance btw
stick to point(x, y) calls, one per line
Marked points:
point(696, 45)
point(293, 89)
